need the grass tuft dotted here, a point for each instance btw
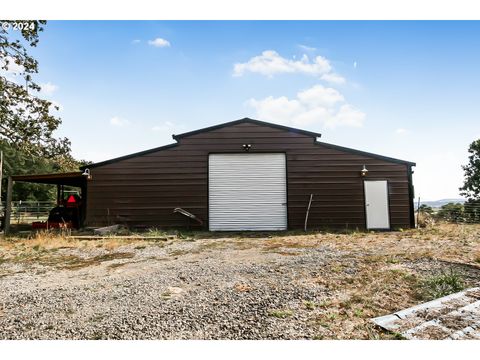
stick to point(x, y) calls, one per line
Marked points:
point(281, 314)
point(443, 284)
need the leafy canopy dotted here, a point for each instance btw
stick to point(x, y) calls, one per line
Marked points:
point(26, 122)
point(471, 186)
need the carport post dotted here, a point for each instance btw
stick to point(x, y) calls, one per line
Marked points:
point(8, 204)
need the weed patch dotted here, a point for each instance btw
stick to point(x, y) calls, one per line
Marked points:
point(444, 284)
point(281, 314)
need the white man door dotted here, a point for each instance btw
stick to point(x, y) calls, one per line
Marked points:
point(247, 192)
point(376, 204)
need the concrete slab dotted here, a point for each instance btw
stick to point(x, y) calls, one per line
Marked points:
point(456, 316)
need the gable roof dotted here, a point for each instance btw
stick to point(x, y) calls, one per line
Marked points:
point(365, 153)
point(252, 121)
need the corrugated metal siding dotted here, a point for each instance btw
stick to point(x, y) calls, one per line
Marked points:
point(247, 192)
point(144, 190)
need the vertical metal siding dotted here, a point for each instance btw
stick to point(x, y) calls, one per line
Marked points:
point(145, 189)
point(247, 192)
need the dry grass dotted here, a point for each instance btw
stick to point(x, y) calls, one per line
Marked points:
point(51, 249)
point(51, 241)
point(368, 274)
point(381, 273)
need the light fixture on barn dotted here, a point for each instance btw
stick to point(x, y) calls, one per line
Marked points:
point(86, 173)
point(364, 171)
point(247, 147)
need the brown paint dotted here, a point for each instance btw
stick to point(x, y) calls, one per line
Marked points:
point(143, 189)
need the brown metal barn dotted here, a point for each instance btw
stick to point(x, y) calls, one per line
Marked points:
point(251, 175)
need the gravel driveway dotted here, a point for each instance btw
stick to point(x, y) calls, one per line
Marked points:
point(250, 286)
point(207, 289)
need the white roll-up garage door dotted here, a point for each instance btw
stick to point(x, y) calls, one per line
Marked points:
point(247, 192)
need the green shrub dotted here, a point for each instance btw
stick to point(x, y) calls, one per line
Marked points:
point(452, 212)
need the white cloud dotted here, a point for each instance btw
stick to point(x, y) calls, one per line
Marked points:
point(354, 64)
point(136, 41)
point(48, 88)
point(347, 116)
point(334, 78)
point(316, 105)
point(401, 131)
point(270, 63)
point(159, 42)
point(120, 122)
point(319, 95)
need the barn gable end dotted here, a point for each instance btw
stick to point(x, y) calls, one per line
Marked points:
point(144, 188)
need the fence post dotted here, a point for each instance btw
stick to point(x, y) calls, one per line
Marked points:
point(418, 210)
point(8, 210)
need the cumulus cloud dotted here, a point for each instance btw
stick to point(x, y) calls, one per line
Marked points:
point(118, 121)
point(159, 42)
point(319, 95)
point(48, 88)
point(270, 63)
point(334, 78)
point(316, 105)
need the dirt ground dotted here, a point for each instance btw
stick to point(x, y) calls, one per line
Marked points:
point(225, 286)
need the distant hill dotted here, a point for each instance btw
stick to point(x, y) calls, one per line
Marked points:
point(441, 202)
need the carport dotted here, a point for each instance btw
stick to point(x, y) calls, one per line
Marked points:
point(75, 179)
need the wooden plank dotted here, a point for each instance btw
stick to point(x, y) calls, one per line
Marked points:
point(99, 237)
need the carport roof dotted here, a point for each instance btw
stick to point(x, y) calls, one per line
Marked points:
point(70, 178)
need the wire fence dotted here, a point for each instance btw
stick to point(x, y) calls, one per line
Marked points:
point(468, 212)
point(24, 212)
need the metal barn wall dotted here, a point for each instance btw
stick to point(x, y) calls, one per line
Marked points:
point(144, 190)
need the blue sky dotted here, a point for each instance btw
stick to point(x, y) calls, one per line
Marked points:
point(402, 89)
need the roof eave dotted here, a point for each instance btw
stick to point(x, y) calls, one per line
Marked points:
point(365, 153)
point(129, 156)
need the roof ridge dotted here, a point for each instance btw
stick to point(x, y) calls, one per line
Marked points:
point(243, 120)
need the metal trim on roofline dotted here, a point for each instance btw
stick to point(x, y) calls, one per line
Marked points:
point(244, 120)
point(257, 122)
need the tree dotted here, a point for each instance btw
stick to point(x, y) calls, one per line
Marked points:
point(18, 163)
point(424, 208)
point(26, 122)
point(451, 212)
point(471, 186)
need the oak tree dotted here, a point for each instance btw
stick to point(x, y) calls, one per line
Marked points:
point(26, 120)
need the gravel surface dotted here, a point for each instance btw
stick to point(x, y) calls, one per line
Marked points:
point(206, 289)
